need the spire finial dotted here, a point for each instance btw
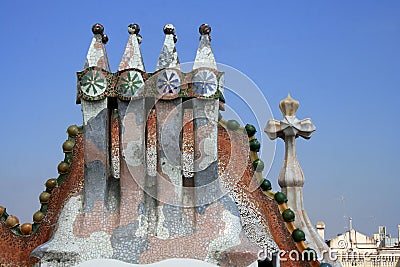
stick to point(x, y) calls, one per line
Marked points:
point(204, 55)
point(289, 106)
point(169, 29)
point(97, 28)
point(97, 55)
point(204, 29)
point(133, 28)
point(168, 57)
point(132, 57)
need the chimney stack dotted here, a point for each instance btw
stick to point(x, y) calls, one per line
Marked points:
point(398, 233)
point(350, 224)
point(321, 229)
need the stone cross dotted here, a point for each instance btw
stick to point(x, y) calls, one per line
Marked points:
point(291, 177)
point(289, 129)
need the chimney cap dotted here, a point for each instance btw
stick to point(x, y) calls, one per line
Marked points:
point(204, 29)
point(169, 29)
point(133, 28)
point(98, 28)
point(320, 225)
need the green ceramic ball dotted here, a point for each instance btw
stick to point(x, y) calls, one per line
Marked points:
point(266, 185)
point(63, 167)
point(258, 165)
point(73, 130)
point(298, 235)
point(233, 125)
point(254, 145)
point(280, 198)
point(51, 183)
point(288, 215)
point(250, 129)
point(44, 197)
point(38, 217)
point(68, 146)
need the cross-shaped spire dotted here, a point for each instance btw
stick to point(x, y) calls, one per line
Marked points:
point(290, 125)
point(289, 129)
point(291, 177)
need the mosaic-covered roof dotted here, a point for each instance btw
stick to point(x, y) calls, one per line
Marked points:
point(146, 180)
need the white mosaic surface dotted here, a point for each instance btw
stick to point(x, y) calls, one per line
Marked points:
point(69, 249)
point(230, 238)
point(97, 53)
point(168, 57)
point(204, 55)
point(132, 57)
point(151, 161)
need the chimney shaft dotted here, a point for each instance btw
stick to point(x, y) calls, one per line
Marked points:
point(321, 229)
point(398, 232)
point(351, 223)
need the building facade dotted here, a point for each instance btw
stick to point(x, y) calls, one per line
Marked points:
point(353, 248)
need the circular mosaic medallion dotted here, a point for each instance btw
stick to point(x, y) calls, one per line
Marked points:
point(93, 83)
point(130, 83)
point(205, 83)
point(168, 82)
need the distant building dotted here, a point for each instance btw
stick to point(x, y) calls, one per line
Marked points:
point(384, 239)
point(353, 248)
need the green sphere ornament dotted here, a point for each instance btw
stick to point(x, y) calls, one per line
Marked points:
point(73, 130)
point(266, 185)
point(288, 215)
point(280, 198)
point(250, 129)
point(298, 235)
point(254, 145)
point(258, 165)
point(233, 125)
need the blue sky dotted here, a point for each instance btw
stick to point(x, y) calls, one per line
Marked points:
point(340, 59)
